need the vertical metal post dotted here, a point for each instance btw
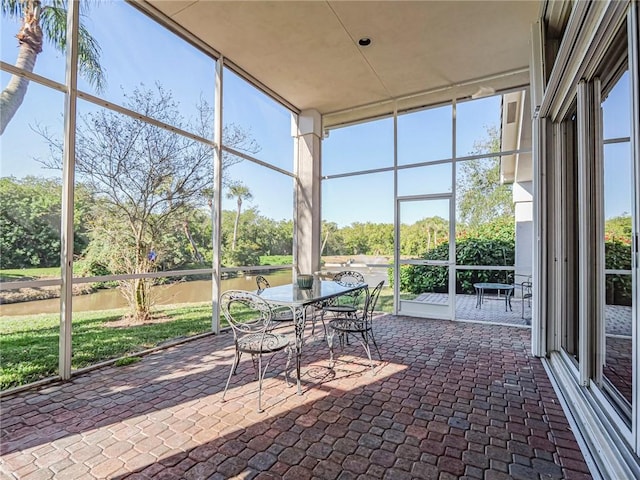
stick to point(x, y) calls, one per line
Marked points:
point(540, 270)
point(216, 211)
point(585, 221)
point(633, 32)
point(68, 178)
point(453, 271)
point(598, 346)
point(396, 216)
point(296, 188)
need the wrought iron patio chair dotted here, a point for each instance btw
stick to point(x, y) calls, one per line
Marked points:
point(344, 305)
point(250, 319)
point(278, 314)
point(527, 293)
point(359, 325)
point(262, 283)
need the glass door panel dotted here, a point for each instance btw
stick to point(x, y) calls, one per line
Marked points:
point(424, 260)
point(616, 322)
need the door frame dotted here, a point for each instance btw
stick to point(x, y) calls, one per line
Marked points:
point(424, 309)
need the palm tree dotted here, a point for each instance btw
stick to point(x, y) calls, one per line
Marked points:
point(39, 22)
point(240, 192)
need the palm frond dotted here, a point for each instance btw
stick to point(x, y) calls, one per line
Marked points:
point(53, 21)
point(54, 27)
point(89, 59)
point(12, 8)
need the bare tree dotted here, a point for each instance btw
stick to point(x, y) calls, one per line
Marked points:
point(145, 179)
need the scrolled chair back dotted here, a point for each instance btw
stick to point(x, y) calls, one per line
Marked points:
point(349, 278)
point(371, 301)
point(246, 312)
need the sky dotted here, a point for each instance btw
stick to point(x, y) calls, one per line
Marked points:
point(154, 56)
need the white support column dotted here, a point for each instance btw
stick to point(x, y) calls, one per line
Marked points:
point(308, 132)
point(523, 201)
point(68, 188)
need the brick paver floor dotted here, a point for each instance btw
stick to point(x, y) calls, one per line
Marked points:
point(450, 400)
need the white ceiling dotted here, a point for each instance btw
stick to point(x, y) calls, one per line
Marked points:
point(423, 51)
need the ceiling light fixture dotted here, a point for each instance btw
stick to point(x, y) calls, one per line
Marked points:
point(364, 42)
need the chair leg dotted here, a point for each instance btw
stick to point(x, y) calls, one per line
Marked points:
point(236, 361)
point(365, 344)
point(260, 377)
point(373, 338)
point(313, 323)
point(330, 336)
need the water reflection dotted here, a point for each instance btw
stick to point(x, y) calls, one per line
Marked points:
point(174, 293)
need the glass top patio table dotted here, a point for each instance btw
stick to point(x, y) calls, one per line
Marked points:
point(298, 299)
point(292, 295)
point(481, 288)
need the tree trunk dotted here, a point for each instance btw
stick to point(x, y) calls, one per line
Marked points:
point(324, 243)
point(140, 292)
point(30, 39)
point(196, 254)
point(142, 299)
point(235, 225)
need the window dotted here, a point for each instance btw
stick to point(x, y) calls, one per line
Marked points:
point(568, 242)
point(617, 170)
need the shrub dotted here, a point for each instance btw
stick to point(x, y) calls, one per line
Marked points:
point(486, 251)
point(618, 287)
point(469, 251)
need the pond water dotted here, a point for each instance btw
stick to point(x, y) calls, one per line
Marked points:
point(174, 293)
point(195, 291)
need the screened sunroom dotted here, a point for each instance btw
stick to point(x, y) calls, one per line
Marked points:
point(179, 149)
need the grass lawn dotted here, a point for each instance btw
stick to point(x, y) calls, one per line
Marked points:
point(17, 274)
point(29, 344)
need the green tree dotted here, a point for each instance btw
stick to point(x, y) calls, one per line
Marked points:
point(331, 244)
point(240, 192)
point(618, 228)
point(30, 222)
point(482, 197)
point(42, 20)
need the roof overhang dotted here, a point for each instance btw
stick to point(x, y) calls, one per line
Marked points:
point(307, 52)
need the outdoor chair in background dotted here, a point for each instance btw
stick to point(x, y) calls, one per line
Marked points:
point(359, 325)
point(345, 305)
point(283, 314)
point(250, 319)
point(262, 283)
point(527, 293)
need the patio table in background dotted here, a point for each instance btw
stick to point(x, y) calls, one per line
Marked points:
point(298, 299)
point(482, 287)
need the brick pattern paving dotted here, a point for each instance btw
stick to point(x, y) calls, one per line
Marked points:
point(450, 400)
